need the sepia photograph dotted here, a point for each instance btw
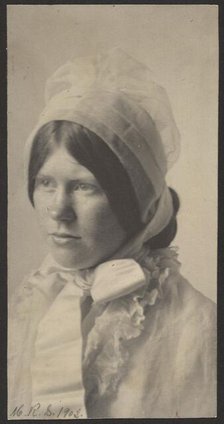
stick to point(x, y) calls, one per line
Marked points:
point(112, 211)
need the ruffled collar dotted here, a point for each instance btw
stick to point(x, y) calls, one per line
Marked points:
point(118, 322)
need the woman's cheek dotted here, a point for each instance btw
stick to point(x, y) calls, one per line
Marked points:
point(97, 218)
point(90, 214)
point(40, 206)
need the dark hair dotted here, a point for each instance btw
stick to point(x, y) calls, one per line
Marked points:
point(93, 153)
point(166, 236)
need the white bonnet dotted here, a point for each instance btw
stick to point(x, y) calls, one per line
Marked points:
point(115, 96)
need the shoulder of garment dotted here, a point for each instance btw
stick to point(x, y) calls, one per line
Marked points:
point(171, 370)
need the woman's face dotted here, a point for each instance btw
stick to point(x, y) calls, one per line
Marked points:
point(74, 213)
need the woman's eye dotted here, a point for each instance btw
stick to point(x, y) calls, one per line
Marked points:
point(43, 182)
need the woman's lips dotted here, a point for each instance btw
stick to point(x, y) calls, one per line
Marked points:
point(63, 238)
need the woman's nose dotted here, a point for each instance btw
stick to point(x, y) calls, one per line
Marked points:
point(61, 208)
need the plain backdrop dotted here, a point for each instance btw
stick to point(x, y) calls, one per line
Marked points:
point(180, 45)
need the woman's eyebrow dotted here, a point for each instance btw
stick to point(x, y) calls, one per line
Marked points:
point(78, 179)
point(45, 175)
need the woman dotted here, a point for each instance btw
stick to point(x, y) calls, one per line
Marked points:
point(107, 325)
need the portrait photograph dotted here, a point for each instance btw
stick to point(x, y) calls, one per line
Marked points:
point(112, 146)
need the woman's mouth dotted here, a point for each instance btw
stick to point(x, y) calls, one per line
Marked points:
point(64, 238)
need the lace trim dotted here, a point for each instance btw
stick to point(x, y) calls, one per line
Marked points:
point(106, 354)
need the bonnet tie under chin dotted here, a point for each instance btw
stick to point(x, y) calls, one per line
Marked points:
point(57, 364)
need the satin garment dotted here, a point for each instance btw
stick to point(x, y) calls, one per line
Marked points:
point(171, 368)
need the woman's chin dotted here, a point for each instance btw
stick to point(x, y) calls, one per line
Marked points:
point(72, 260)
point(80, 258)
point(67, 261)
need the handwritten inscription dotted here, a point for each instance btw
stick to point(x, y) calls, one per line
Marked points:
point(37, 410)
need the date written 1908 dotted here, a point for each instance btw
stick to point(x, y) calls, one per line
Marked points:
point(36, 411)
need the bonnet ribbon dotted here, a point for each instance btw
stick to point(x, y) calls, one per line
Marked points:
point(57, 364)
